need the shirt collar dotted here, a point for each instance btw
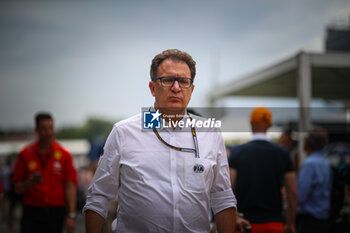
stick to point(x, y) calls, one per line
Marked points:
point(260, 136)
point(54, 146)
point(317, 153)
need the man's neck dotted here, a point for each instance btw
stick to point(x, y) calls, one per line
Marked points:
point(45, 146)
point(260, 136)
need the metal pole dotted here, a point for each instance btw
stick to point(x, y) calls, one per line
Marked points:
point(304, 92)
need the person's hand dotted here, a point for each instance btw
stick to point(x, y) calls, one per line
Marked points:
point(34, 179)
point(289, 228)
point(241, 223)
point(70, 224)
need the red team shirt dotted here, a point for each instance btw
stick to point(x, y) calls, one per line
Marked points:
point(56, 169)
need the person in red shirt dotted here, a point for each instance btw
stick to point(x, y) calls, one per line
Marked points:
point(45, 175)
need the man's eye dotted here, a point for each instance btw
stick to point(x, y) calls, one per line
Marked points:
point(184, 81)
point(167, 80)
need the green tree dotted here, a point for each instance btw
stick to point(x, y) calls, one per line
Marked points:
point(93, 128)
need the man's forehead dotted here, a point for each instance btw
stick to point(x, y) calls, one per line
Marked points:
point(174, 59)
point(173, 64)
point(45, 121)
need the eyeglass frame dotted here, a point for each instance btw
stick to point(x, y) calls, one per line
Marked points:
point(174, 79)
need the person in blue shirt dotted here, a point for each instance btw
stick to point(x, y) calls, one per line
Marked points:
point(314, 185)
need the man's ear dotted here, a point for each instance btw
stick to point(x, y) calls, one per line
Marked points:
point(151, 87)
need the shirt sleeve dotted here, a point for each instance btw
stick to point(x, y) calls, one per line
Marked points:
point(104, 186)
point(289, 163)
point(233, 156)
point(304, 184)
point(221, 194)
point(71, 172)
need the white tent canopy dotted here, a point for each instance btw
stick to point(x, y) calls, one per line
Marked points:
point(304, 76)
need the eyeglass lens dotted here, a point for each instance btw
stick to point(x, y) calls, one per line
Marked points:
point(169, 81)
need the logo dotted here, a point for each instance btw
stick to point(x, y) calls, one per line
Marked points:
point(151, 120)
point(57, 165)
point(32, 165)
point(57, 168)
point(198, 168)
point(57, 154)
point(156, 120)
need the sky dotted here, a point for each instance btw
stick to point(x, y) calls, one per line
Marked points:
point(81, 59)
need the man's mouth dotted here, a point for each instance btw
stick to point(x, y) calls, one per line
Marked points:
point(174, 99)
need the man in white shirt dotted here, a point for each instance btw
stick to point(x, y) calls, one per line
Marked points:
point(160, 186)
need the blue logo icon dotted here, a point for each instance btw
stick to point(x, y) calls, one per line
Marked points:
point(151, 120)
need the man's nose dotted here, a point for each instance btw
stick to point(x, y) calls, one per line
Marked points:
point(176, 86)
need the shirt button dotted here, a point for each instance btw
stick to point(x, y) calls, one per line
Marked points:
point(173, 183)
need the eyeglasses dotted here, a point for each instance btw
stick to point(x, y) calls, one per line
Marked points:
point(168, 81)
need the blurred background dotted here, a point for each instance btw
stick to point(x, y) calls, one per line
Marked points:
point(88, 62)
point(85, 58)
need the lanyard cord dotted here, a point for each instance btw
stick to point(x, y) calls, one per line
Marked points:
point(43, 161)
point(189, 150)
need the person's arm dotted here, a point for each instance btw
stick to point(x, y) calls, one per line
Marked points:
point(304, 184)
point(223, 200)
point(232, 177)
point(93, 222)
point(225, 220)
point(70, 195)
point(242, 223)
point(22, 186)
point(291, 192)
point(234, 153)
point(105, 184)
point(21, 179)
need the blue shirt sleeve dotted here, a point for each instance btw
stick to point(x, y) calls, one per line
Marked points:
point(305, 179)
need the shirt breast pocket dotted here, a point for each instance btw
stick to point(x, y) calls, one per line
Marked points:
point(196, 176)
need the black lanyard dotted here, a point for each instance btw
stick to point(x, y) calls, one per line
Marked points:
point(43, 160)
point(189, 150)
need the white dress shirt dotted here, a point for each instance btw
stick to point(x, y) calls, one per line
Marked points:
point(157, 187)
